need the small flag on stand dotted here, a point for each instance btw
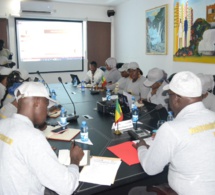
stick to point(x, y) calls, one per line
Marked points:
point(118, 116)
point(104, 82)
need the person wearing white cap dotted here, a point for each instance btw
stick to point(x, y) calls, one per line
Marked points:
point(156, 81)
point(4, 72)
point(134, 84)
point(112, 75)
point(186, 143)
point(119, 86)
point(28, 163)
point(208, 98)
point(94, 75)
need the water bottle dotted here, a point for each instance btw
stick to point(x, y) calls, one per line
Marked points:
point(53, 94)
point(170, 116)
point(84, 131)
point(108, 95)
point(82, 86)
point(135, 116)
point(63, 117)
point(75, 82)
point(133, 102)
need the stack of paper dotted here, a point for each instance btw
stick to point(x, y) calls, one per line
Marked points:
point(102, 170)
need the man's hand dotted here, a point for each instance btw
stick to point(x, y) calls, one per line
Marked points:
point(141, 143)
point(76, 154)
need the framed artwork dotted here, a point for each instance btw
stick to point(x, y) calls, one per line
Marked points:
point(194, 31)
point(156, 30)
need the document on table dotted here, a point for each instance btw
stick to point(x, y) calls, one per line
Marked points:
point(64, 157)
point(123, 125)
point(102, 170)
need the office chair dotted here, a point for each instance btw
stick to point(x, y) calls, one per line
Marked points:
point(162, 189)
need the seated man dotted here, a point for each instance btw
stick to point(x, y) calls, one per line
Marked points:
point(119, 86)
point(156, 81)
point(112, 75)
point(94, 75)
point(28, 163)
point(134, 84)
point(5, 52)
point(208, 98)
point(186, 143)
point(15, 79)
point(4, 72)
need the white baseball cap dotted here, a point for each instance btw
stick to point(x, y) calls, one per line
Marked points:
point(186, 84)
point(33, 89)
point(123, 68)
point(154, 75)
point(5, 71)
point(133, 65)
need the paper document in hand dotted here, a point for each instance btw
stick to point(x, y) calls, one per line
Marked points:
point(102, 170)
point(64, 157)
point(148, 140)
point(123, 125)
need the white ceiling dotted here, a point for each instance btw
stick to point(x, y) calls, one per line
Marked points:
point(93, 2)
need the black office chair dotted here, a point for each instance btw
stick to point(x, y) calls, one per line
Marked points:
point(162, 189)
point(214, 86)
point(171, 76)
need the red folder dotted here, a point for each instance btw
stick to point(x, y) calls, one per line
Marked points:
point(126, 152)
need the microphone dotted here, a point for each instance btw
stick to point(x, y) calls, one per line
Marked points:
point(44, 82)
point(70, 117)
point(158, 107)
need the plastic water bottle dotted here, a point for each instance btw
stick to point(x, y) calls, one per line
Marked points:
point(82, 86)
point(63, 117)
point(108, 95)
point(135, 116)
point(53, 94)
point(84, 131)
point(133, 102)
point(75, 82)
point(170, 116)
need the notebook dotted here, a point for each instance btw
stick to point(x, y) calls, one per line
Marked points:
point(73, 76)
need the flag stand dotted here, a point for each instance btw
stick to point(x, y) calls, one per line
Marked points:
point(117, 131)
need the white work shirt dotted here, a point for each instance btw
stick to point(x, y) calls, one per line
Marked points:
point(97, 77)
point(112, 76)
point(121, 83)
point(209, 102)
point(27, 162)
point(7, 111)
point(137, 89)
point(160, 97)
point(187, 143)
point(2, 91)
point(9, 98)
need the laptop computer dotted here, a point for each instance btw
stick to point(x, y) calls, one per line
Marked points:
point(75, 77)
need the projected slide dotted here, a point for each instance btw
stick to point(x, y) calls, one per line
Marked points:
point(49, 45)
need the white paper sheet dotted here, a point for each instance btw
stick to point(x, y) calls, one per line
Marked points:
point(102, 170)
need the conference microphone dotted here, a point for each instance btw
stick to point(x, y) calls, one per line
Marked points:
point(50, 93)
point(69, 117)
point(158, 107)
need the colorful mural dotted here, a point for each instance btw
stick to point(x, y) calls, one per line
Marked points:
point(194, 31)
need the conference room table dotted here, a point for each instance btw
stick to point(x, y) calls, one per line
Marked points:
point(102, 136)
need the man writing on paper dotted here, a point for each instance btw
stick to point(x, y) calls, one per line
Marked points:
point(187, 143)
point(28, 163)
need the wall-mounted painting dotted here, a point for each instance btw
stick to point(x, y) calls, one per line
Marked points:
point(156, 30)
point(194, 31)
